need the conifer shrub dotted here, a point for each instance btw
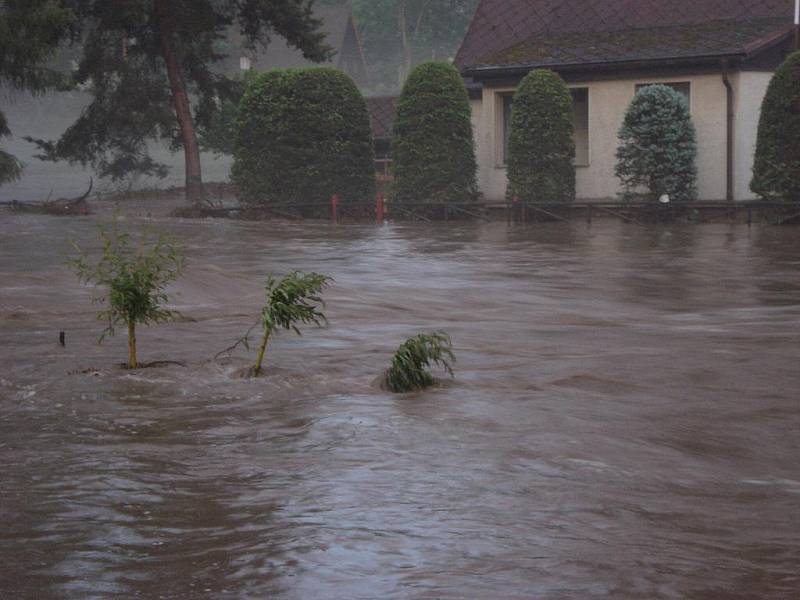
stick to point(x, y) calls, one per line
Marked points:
point(541, 149)
point(776, 172)
point(657, 151)
point(302, 135)
point(433, 151)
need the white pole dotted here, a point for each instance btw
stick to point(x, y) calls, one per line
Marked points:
point(797, 24)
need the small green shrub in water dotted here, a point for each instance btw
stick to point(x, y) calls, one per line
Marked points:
point(293, 300)
point(412, 359)
point(135, 277)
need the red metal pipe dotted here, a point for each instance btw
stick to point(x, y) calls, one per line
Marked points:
point(335, 208)
point(379, 208)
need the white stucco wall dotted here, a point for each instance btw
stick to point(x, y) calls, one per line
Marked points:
point(608, 101)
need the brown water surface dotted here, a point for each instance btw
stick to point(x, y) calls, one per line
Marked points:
point(625, 420)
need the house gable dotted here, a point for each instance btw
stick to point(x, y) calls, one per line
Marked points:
point(341, 35)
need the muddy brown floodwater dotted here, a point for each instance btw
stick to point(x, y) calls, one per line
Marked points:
point(624, 422)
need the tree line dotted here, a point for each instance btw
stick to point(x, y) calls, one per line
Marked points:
point(149, 67)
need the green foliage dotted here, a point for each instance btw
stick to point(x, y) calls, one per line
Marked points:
point(302, 136)
point(10, 167)
point(541, 149)
point(220, 134)
point(408, 371)
point(433, 150)
point(776, 172)
point(30, 31)
point(134, 277)
point(658, 148)
point(293, 300)
point(123, 67)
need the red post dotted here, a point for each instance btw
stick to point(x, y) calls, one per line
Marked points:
point(379, 208)
point(335, 208)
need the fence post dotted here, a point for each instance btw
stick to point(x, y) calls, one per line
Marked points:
point(379, 208)
point(335, 208)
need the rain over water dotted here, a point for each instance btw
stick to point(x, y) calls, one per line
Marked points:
point(624, 421)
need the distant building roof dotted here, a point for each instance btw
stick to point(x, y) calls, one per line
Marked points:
point(382, 113)
point(553, 33)
point(342, 36)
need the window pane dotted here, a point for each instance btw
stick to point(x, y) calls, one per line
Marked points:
point(508, 102)
point(580, 125)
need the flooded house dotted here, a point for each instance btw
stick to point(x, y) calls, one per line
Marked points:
point(720, 55)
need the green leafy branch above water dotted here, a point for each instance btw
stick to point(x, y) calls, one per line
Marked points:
point(134, 275)
point(293, 300)
point(409, 372)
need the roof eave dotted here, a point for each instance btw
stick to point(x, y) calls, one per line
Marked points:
point(482, 72)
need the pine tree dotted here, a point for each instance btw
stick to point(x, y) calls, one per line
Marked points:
point(658, 148)
point(776, 172)
point(541, 149)
point(146, 61)
point(30, 31)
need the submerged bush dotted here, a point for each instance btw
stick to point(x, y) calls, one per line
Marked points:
point(412, 359)
point(541, 149)
point(776, 172)
point(658, 149)
point(433, 151)
point(302, 135)
point(134, 278)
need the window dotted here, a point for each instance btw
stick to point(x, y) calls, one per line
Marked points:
point(683, 88)
point(580, 124)
point(508, 102)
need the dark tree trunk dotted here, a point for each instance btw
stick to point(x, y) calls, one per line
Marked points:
point(191, 149)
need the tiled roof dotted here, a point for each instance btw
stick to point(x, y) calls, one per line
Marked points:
point(502, 24)
point(382, 112)
point(717, 38)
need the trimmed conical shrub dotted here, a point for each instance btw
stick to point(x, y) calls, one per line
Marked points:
point(776, 171)
point(433, 151)
point(303, 135)
point(541, 149)
point(658, 148)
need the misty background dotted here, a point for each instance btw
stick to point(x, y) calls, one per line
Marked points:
point(395, 35)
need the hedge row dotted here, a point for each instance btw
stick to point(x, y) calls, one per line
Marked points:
point(303, 135)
